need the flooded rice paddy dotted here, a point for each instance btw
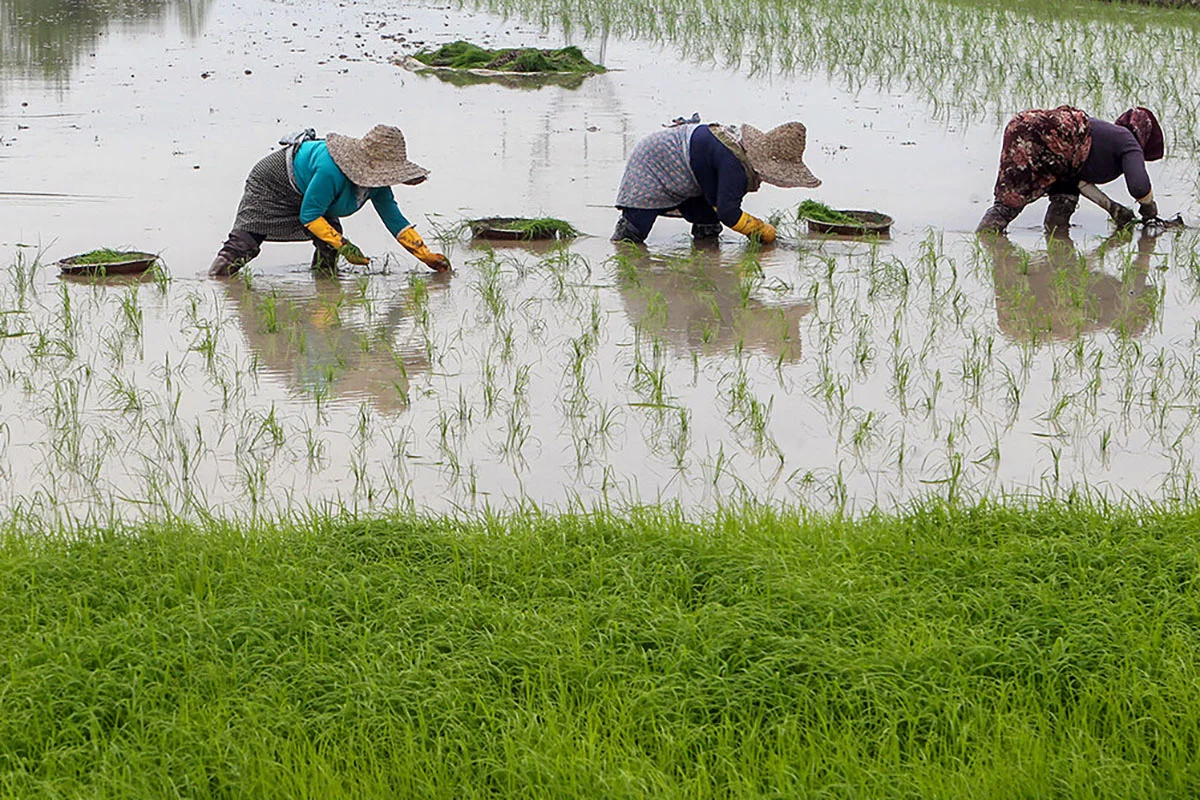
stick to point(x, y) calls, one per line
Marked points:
point(839, 374)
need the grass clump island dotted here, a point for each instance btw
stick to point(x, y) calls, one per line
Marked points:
point(946, 651)
point(465, 55)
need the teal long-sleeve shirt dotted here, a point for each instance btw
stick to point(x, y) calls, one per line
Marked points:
point(328, 192)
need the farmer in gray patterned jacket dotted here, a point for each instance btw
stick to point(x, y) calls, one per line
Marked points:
point(702, 172)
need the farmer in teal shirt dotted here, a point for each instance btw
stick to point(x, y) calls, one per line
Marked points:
point(300, 193)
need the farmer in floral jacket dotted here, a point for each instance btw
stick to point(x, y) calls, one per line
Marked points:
point(300, 193)
point(1064, 152)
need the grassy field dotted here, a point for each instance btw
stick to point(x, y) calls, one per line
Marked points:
point(990, 651)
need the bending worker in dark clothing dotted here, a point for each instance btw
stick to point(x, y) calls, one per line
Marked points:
point(1063, 152)
point(702, 172)
point(300, 192)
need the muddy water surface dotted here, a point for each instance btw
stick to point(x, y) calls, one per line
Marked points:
point(825, 372)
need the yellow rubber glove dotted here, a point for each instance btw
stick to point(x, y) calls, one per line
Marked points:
point(321, 229)
point(411, 241)
point(755, 227)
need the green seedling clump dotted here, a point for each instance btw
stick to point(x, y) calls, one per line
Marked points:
point(543, 228)
point(522, 228)
point(465, 55)
point(819, 212)
point(459, 55)
point(104, 256)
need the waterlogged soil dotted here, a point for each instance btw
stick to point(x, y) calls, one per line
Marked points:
point(829, 372)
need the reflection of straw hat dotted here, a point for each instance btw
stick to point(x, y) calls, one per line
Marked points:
point(378, 159)
point(778, 155)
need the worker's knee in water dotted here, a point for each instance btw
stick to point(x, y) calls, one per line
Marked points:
point(1064, 200)
point(1059, 212)
point(706, 230)
point(996, 218)
point(325, 256)
point(242, 244)
point(239, 249)
point(628, 231)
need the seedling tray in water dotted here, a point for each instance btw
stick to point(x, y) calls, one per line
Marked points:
point(131, 262)
point(505, 229)
point(869, 223)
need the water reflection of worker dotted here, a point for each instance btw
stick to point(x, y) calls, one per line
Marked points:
point(1061, 293)
point(299, 193)
point(702, 173)
point(1063, 152)
point(315, 349)
point(700, 304)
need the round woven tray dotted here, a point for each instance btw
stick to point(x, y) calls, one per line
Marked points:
point(870, 223)
point(499, 229)
point(132, 262)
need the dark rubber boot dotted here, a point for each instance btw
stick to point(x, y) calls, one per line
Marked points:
point(239, 249)
point(1058, 215)
point(626, 232)
point(706, 230)
point(996, 219)
point(325, 256)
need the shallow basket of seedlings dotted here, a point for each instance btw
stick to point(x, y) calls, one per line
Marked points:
point(107, 262)
point(521, 229)
point(828, 221)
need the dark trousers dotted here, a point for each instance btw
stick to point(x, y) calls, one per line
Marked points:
point(636, 223)
point(242, 247)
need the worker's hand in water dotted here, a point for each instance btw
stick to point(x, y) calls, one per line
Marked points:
point(1121, 215)
point(411, 241)
point(351, 253)
point(755, 228)
point(439, 263)
point(1148, 210)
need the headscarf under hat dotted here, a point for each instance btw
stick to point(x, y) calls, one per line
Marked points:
point(1144, 125)
point(778, 155)
point(378, 159)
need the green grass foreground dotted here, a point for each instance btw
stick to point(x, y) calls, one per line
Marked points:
point(947, 652)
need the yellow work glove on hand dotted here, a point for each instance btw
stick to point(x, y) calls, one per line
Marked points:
point(413, 243)
point(755, 228)
point(328, 234)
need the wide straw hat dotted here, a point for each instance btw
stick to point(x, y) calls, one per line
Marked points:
point(778, 155)
point(378, 159)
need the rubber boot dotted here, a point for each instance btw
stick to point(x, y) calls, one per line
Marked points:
point(1058, 215)
point(240, 248)
point(706, 230)
point(324, 258)
point(626, 232)
point(996, 218)
point(325, 255)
